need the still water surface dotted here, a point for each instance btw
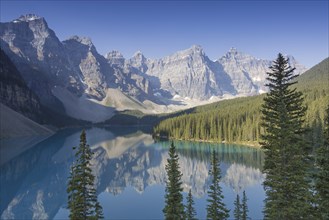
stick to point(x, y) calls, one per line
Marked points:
point(130, 174)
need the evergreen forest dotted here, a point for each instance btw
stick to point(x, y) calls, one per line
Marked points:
point(291, 124)
point(239, 120)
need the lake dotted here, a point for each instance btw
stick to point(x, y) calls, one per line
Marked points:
point(130, 174)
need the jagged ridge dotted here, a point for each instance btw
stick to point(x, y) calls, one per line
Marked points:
point(184, 79)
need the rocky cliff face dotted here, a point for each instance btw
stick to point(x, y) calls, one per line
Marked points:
point(189, 73)
point(39, 56)
point(30, 38)
point(89, 65)
point(248, 74)
point(14, 92)
point(74, 68)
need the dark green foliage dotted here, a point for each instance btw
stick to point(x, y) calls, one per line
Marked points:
point(138, 118)
point(82, 198)
point(216, 207)
point(190, 210)
point(286, 164)
point(231, 121)
point(238, 120)
point(237, 208)
point(322, 176)
point(241, 208)
point(174, 208)
point(254, 157)
point(244, 206)
point(98, 211)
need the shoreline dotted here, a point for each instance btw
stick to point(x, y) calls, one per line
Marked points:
point(252, 144)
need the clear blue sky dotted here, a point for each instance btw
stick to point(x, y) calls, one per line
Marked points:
point(259, 28)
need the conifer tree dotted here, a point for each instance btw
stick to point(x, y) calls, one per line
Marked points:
point(174, 208)
point(237, 208)
point(244, 211)
point(216, 208)
point(286, 164)
point(82, 198)
point(190, 210)
point(322, 176)
point(98, 211)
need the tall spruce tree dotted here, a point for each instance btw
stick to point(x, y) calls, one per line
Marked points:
point(322, 176)
point(174, 208)
point(216, 208)
point(286, 152)
point(244, 207)
point(82, 198)
point(237, 208)
point(241, 208)
point(190, 210)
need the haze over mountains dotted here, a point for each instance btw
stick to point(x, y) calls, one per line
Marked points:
point(72, 78)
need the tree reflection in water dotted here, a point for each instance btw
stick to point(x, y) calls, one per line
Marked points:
point(33, 183)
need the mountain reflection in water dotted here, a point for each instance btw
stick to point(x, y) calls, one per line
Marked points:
point(33, 183)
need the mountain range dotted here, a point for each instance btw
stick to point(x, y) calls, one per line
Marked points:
point(71, 78)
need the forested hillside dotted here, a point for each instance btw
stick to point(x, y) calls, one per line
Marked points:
point(238, 120)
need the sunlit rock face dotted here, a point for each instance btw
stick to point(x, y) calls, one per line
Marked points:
point(72, 71)
point(188, 73)
point(248, 74)
point(89, 64)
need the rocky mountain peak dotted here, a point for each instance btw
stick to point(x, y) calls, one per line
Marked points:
point(35, 23)
point(195, 49)
point(114, 54)
point(184, 77)
point(36, 28)
point(234, 54)
point(233, 50)
point(139, 56)
point(138, 59)
point(115, 57)
point(292, 59)
point(294, 63)
point(83, 40)
point(28, 17)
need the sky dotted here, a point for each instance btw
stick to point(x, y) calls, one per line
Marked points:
point(160, 28)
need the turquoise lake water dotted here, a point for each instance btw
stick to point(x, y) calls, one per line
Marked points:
point(130, 174)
